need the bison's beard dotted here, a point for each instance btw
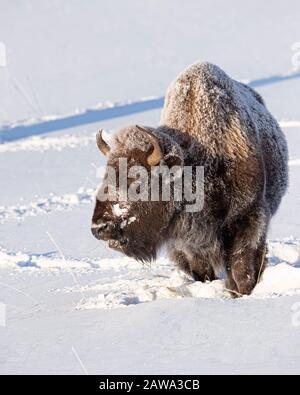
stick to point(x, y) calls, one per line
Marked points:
point(143, 251)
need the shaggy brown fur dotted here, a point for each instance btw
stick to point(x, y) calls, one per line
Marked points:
point(213, 121)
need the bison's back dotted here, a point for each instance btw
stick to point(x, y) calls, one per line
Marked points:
point(230, 120)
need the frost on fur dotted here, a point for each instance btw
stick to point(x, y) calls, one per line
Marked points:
point(212, 121)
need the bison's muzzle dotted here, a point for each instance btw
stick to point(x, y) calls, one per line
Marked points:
point(107, 231)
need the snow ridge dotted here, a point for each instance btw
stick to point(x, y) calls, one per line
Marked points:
point(41, 144)
point(47, 205)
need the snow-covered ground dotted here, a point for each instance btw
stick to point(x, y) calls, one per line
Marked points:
point(68, 304)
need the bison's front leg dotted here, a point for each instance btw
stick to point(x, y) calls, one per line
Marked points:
point(202, 270)
point(195, 267)
point(245, 268)
point(245, 251)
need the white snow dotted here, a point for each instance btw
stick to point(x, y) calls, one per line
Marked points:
point(42, 144)
point(128, 221)
point(46, 205)
point(68, 304)
point(118, 210)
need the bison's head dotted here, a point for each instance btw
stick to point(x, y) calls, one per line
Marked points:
point(126, 215)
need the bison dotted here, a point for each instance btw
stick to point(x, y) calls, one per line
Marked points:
point(222, 125)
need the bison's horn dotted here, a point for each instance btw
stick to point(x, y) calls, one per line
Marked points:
point(102, 145)
point(155, 157)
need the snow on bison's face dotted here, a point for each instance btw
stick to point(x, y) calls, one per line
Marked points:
point(125, 214)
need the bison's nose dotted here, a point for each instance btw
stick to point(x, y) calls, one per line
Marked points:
point(104, 230)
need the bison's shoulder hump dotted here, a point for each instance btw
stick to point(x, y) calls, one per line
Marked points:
point(201, 91)
point(203, 75)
